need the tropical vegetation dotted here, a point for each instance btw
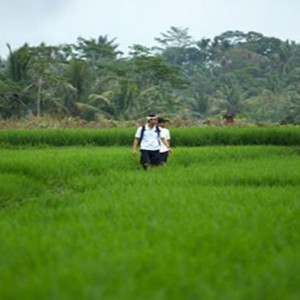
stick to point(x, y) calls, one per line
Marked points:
point(235, 73)
point(86, 223)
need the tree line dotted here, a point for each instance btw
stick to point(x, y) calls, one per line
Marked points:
point(234, 73)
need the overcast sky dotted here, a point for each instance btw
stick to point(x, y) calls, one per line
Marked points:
point(140, 21)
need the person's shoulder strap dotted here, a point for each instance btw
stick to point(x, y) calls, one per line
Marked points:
point(143, 130)
point(158, 134)
point(158, 131)
point(142, 133)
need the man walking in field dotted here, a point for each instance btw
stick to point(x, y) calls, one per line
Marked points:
point(149, 139)
point(165, 149)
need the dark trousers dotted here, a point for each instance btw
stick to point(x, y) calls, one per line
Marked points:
point(164, 156)
point(149, 157)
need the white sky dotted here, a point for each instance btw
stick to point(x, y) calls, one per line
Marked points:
point(140, 21)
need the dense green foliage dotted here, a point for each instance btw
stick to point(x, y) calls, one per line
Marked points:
point(197, 136)
point(235, 73)
point(88, 223)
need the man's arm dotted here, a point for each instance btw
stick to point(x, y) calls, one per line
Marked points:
point(166, 143)
point(134, 146)
point(136, 140)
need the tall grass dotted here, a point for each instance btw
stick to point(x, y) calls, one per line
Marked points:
point(197, 136)
point(202, 136)
point(88, 223)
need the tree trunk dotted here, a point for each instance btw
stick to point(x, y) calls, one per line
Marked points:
point(38, 107)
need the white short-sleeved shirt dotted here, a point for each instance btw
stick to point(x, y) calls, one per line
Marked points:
point(164, 133)
point(150, 140)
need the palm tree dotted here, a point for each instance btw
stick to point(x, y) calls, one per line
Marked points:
point(17, 93)
point(99, 49)
point(18, 63)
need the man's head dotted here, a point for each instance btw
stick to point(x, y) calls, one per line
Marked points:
point(162, 121)
point(152, 120)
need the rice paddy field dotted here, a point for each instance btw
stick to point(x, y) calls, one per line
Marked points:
point(85, 222)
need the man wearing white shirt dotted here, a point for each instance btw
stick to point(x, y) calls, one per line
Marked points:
point(165, 148)
point(149, 139)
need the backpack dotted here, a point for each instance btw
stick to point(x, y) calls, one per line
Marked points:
point(157, 131)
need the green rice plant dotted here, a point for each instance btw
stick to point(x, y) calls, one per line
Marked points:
point(17, 188)
point(216, 223)
point(66, 137)
point(196, 136)
point(202, 136)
